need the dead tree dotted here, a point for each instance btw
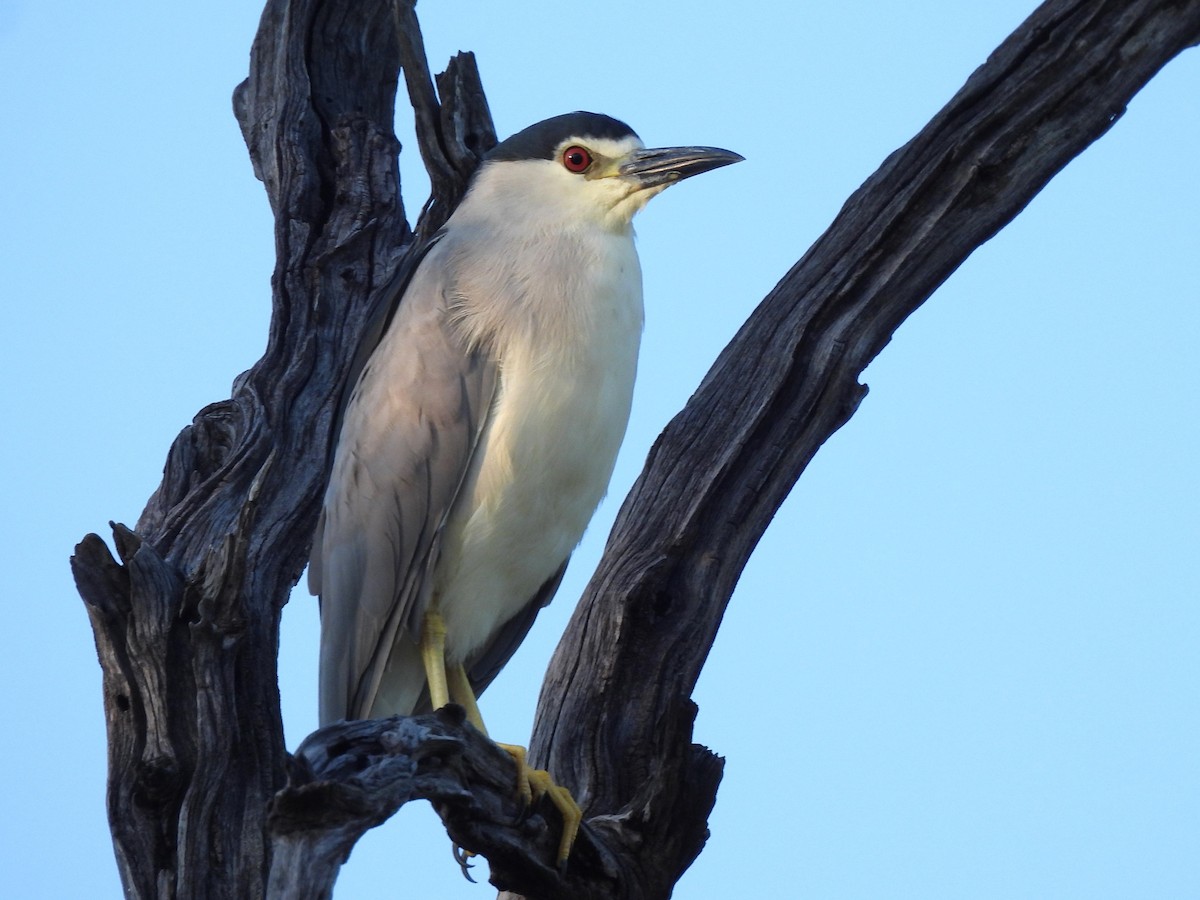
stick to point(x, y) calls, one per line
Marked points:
point(203, 800)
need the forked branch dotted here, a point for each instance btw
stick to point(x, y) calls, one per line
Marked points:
point(187, 620)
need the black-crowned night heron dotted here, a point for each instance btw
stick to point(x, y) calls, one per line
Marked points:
point(482, 432)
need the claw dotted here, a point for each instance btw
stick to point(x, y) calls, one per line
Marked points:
point(463, 856)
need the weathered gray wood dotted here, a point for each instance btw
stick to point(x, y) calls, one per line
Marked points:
point(187, 625)
point(351, 776)
point(187, 621)
point(614, 720)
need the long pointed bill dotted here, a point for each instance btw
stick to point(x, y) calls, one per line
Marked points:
point(655, 168)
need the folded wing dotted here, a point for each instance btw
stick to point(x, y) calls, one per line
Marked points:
point(408, 433)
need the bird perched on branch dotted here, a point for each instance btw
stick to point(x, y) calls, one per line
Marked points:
point(481, 433)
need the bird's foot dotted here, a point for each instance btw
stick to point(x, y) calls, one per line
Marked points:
point(572, 816)
point(533, 784)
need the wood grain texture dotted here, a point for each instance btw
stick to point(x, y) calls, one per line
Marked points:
point(351, 776)
point(186, 615)
point(187, 622)
point(614, 719)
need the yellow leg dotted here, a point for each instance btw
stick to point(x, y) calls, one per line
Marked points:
point(433, 655)
point(461, 693)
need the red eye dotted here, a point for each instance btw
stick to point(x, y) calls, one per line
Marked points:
point(576, 159)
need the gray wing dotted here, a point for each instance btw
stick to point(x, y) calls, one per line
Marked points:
point(377, 324)
point(408, 433)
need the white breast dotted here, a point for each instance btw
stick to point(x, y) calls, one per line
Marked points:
point(567, 366)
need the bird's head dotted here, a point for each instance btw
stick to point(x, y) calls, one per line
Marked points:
point(582, 167)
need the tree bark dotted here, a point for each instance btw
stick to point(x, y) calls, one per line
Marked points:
point(187, 622)
point(203, 800)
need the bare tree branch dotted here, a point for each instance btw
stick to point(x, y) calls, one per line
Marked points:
point(187, 625)
point(187, 620)
point(352, 776)
point(615, 716)
point(454, 133)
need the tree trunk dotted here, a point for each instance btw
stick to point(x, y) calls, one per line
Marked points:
point(203, 800)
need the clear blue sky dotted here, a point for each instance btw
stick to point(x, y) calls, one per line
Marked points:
point(962, 663)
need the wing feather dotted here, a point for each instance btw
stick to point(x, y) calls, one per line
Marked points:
point(409, 430)
point(379, 320)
